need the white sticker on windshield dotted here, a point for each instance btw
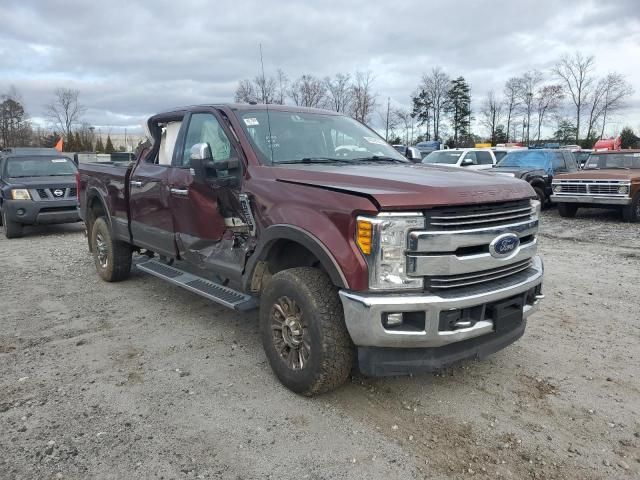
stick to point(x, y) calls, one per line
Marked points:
point(59, 160)
point(377, 141)
point(251, 122)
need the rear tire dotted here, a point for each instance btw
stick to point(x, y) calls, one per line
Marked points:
point(303, 331)
point(542, 198)
point(631, 213)
point(111, 257)
point(567, 210)
point(11, 229)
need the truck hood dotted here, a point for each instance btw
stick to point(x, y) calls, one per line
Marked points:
point(61, 181)
point(603, 174)
point(518, 172)
point(403, 186)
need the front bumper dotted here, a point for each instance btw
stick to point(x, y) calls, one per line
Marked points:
point(589, 199)
point(388, 352)
point(32, 212)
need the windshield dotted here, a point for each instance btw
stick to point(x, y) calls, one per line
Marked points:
point(449, 157)
point(613, 160)
point(527, 158)
point(39, 167)
point(296, 137)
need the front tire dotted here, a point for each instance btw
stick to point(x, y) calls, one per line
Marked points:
point(303, 331)
point(111, 257)
point(542, 198)
point(11, 229)
point(567, 210)
point(631, 213)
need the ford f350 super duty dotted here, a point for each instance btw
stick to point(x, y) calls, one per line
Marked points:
point(353, 255)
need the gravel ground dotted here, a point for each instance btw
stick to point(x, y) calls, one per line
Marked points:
point(143, 380)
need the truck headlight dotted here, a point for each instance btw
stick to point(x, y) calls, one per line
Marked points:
point(20, 194)
point(383, 241)
point(623, 190)
point(537, 206)
point(557, 188)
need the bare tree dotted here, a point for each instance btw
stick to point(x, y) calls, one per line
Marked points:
point(282, 86)
point(364, 99)
point(546, 101)
point(436, 85)
point(405, 120)
point(528, 85)
point(65, 111)
point(246, 92)
point(265, 89)
point(15, 127)
point(308, 91)
point(339, 92)
point(511, 101)
point(608, 96)
point(491, 114)
point(575, 72)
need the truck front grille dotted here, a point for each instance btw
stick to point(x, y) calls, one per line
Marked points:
point(48, 193)
point(588, 187)
point(456, 281)
point(479, 216)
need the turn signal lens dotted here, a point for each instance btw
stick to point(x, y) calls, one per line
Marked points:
point(20, 194)
point(365, 234)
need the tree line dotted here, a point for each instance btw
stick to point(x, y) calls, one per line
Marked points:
point(64, 114)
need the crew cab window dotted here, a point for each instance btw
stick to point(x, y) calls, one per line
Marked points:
point(484, 158)
point(558, 163)
point(471, 156)
point(205, 128)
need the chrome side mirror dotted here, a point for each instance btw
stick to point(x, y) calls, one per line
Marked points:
point(414, 154)
point(201, 151)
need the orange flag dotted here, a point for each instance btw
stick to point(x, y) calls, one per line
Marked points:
point(59, 145)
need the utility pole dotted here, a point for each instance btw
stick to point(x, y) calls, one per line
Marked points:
point(386, 135)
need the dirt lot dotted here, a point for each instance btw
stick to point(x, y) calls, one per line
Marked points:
point(142, 380)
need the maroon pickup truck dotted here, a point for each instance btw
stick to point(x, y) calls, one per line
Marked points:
point(353, 255)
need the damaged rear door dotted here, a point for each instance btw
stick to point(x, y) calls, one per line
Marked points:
point(205, 214)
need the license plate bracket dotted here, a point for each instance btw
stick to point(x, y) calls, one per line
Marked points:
point(507, 314)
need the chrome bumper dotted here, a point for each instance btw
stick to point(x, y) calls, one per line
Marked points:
point(363, 312)
point(602, 200)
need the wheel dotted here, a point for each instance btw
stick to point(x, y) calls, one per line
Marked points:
point(631, 213)
point(112, 258)
point(11, 229)
point(567, 210)
point(542, 198)
point(303, 331)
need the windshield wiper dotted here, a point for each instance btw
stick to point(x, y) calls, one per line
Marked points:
point(379, 158)
point(313, 160)
point(616, 168)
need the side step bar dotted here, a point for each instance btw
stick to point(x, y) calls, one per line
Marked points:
point(206, 288)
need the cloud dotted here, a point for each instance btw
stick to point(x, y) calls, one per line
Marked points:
point(130, 60)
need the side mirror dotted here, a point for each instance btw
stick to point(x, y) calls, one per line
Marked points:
point(205, 170)
point(466, 162)
point(200, 159)
point(414, 154)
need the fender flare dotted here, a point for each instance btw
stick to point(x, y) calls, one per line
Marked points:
point(274, 233)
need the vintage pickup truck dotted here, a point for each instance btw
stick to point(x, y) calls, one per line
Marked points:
point(609, 179)
point(353, 255)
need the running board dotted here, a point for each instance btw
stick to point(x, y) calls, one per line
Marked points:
point(206, 288)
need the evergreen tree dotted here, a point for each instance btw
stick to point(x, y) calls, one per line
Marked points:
point(500, 134)
point(69, 143)
point(99, 145)
point(109, 146)
point(628, 138)
point(459, 107)
point(78, 142)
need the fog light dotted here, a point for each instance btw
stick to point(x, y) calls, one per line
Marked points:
point(393, 319)
point(623, 190)
point(20, 211)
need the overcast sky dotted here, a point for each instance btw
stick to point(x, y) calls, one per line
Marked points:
point(130, 61)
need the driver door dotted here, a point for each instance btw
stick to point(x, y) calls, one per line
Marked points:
point(199, 210)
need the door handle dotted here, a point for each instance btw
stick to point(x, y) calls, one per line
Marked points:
point(135, 183)
point(183, 192)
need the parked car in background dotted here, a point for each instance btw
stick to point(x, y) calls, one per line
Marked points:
point(428, 146)
point(36, 189)
point(500, 151)
point(609, 179)
point(537, 167)
point(472, 158)
point(351, 258)
point(410, 153)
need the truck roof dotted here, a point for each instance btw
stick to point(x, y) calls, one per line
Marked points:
point(250, 106)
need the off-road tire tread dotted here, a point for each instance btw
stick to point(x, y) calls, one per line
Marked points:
point(120, 266)
point(629, 211)
point(541, 196)
point(338, 352)
point(11, 229)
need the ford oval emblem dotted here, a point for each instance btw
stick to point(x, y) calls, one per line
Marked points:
point(504, 245)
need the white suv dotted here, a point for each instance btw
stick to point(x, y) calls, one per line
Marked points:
point(473, 158)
